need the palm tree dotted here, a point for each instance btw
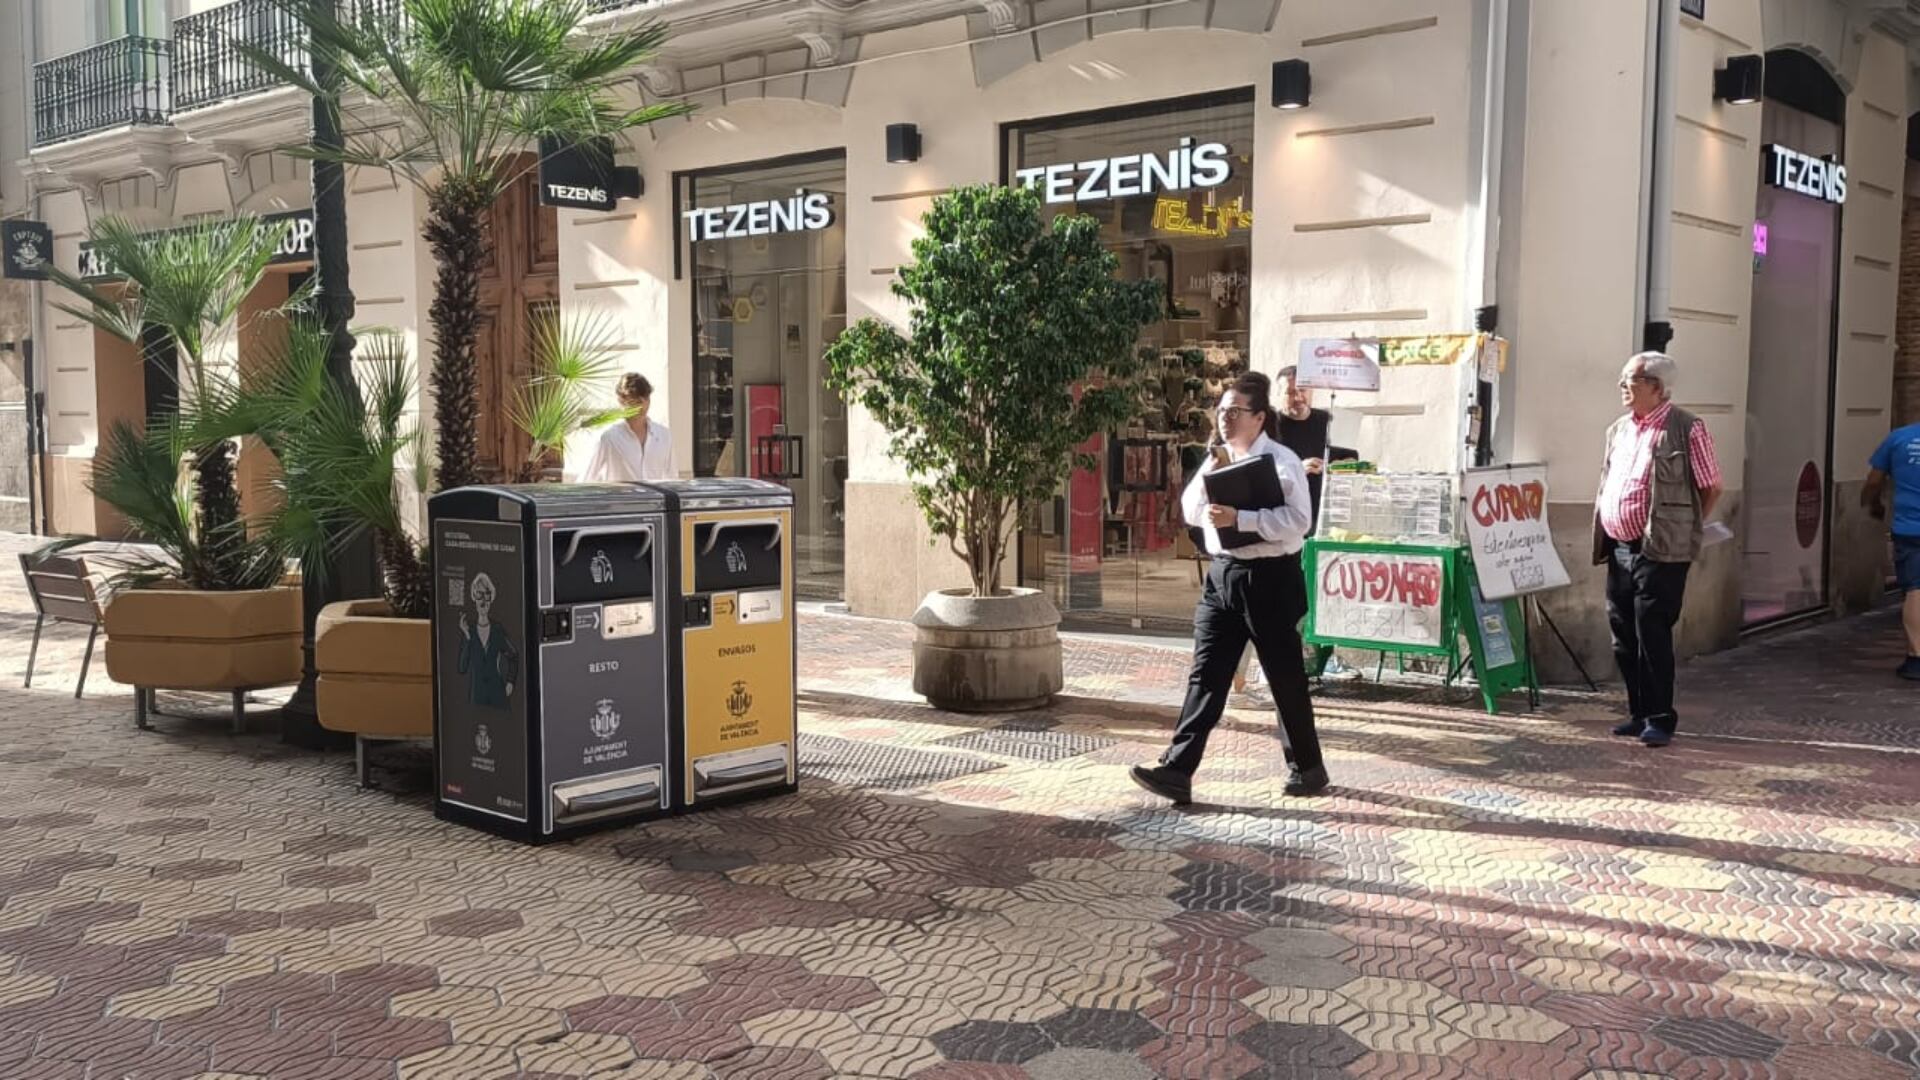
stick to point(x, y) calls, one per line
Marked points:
point(343, 455)
point(190, 284)
point(572, 357)
point(445, 94)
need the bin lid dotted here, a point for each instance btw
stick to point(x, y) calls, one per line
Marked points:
point(714, 491)
point(563, 500)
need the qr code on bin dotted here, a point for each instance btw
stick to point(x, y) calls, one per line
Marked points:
point(456, 593)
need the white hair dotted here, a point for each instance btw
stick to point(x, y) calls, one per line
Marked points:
point(482, 581)
point(1659, 367)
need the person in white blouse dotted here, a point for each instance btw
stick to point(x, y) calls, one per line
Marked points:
point(1254, 592)
point(637, 448)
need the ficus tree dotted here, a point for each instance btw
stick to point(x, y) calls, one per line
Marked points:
point(1019, 348)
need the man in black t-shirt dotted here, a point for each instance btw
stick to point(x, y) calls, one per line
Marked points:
point(1303, 430)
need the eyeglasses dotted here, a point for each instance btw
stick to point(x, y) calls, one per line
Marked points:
point(1624, 383)
point(1235, 412)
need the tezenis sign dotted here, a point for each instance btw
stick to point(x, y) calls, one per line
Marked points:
point(1190, 165)
point(1791, 170)
point(803, 211)
point(583, 176)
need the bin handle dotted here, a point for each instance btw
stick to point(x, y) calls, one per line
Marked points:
point(609, 530)
point(719, 527)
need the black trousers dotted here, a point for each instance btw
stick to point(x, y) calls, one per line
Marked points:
point(1257, 600)
point(1643, 603)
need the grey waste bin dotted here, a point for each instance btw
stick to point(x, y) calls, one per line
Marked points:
point(551, 661)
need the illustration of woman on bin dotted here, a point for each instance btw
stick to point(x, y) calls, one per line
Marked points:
point(487, 658)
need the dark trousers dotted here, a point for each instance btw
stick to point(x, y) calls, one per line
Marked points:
point(1643, 603)
point(1257, 600)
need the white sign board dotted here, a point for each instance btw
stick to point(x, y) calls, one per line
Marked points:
point(1340, 364)
point(1507, 529)
point(1388, 598)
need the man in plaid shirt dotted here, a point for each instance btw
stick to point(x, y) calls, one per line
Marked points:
point(1659, 482)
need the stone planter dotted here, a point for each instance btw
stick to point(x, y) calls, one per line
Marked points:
point(375, 674)
point(169, 637)
point(987, 654)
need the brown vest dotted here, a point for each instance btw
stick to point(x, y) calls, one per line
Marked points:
point(1674, 520)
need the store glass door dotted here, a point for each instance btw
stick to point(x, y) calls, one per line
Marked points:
point(1789, 420)
point(766, 306)
point(1110, 546)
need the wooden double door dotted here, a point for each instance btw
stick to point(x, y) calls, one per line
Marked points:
point(519, 289)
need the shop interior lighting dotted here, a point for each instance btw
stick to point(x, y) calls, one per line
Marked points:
point(1739, 82)
point(903, 143)
point(1292, 84)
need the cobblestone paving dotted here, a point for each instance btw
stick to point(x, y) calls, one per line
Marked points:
point(988, 897)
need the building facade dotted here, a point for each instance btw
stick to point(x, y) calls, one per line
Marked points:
point(1293, 171)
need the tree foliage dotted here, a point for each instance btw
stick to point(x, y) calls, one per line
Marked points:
point(1019, 349)
point(446, 94)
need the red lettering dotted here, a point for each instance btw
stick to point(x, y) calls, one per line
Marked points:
point(1509, 502)
point(1381, 580)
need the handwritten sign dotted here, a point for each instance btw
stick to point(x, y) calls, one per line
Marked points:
point(1340, 363)
point(1391, 598)
point(1507, 528)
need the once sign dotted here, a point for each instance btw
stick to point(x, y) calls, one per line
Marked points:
point(1791, 170)
point(805, 211)
point(1190, 165)
point(1507, 528)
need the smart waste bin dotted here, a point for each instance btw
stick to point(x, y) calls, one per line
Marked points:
point(551, 660)
point(733, 624)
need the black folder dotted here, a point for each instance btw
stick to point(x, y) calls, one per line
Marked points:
point(1248, 484)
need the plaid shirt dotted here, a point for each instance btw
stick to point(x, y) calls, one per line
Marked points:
point(1626, 496)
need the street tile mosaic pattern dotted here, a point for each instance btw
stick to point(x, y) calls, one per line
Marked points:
point(1518, 897)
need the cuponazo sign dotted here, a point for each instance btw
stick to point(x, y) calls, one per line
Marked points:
point(1507, 528)
point(1391, 598)
point(1340, 363)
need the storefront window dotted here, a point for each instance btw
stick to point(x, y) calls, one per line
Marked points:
point(1172, 187)
point(766, 251)
point(1789, 422)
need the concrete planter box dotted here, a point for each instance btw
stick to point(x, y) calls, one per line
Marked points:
point(375, 674)
point(169, 637)
point(987, 653)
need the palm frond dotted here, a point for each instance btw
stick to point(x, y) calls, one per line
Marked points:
point(573, 360)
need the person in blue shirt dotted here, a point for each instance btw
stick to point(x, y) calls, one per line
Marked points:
point(1898, 460)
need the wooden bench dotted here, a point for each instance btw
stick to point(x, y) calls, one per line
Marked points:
point(62, 590)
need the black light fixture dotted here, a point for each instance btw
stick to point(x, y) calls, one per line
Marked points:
point(1292, 84)
point(1740, 81)
point(903, 143)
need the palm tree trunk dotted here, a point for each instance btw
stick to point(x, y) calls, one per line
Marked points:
point(217, 501)
point(408, 589)
point(461, 247)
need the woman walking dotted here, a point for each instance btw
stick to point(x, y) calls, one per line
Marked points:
point(1254, 593)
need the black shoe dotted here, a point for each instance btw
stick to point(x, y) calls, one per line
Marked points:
point(1309, 782)
point(1631, 729)
point(1163, 782)
point(1656, 736)
point(1910, 669)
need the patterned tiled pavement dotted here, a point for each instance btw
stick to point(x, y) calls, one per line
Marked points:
point(1518, 896)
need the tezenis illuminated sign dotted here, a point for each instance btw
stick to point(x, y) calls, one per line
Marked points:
point(1791, 170)
point(1190, 165)
point(806, 210)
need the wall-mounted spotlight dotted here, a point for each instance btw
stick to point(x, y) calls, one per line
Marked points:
point(1739, 83)
point(903, 143)
point(1292, 84)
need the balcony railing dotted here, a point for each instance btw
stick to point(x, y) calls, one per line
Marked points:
point(114, 84)
point(208, 69)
